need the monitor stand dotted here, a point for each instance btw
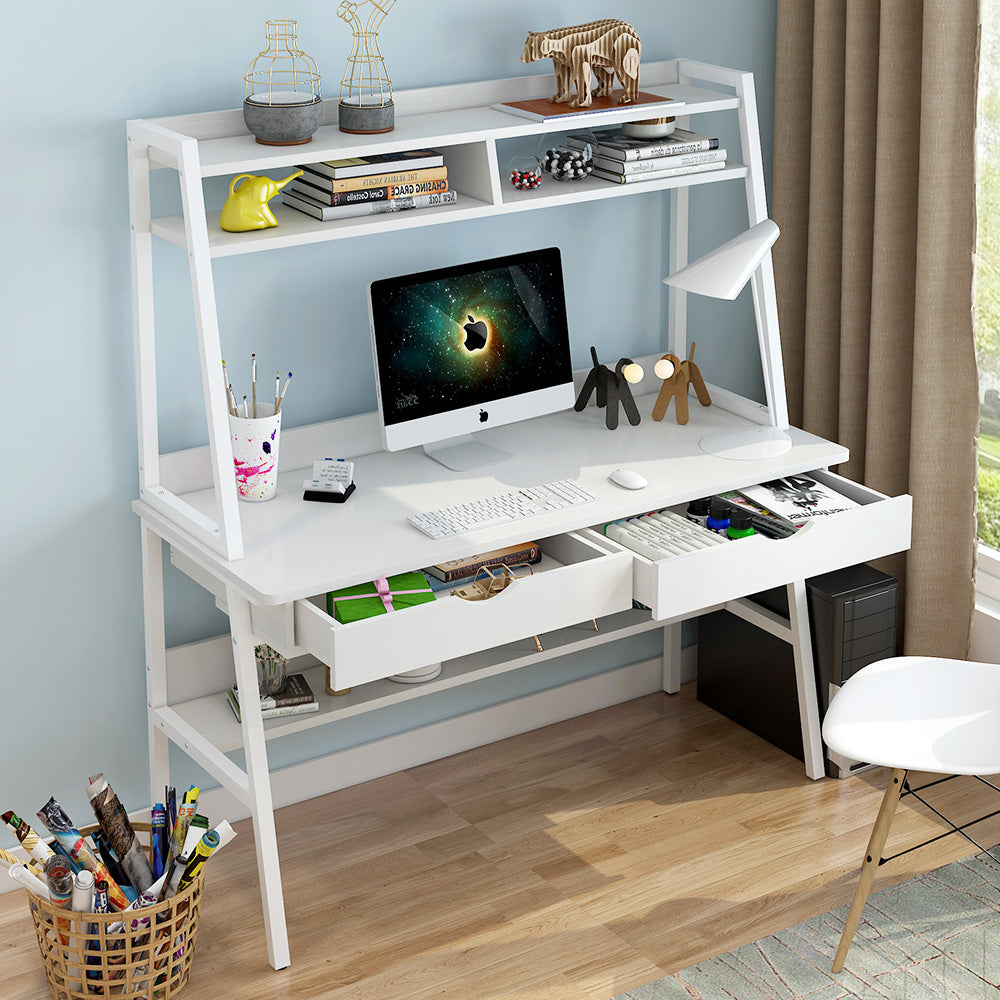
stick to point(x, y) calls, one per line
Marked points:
point(460, 454)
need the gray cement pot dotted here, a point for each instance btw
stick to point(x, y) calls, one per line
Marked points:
point(283, 124)
point(367, 118)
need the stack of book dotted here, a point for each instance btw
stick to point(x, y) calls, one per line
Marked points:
point(371, 185)
point(621, 159)
point(294, 700)
point(454, 573)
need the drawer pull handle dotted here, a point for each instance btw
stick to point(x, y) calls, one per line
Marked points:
point(496, 580)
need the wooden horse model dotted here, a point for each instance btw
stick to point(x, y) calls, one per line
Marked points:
point(675, 386)
point(602, 49)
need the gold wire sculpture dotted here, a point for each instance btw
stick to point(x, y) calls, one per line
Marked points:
point(282, 105)
point(366, 90)
point(282, 73)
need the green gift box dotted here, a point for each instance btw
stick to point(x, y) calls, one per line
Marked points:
point(382, 595)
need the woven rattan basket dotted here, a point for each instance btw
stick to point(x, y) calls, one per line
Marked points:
point(149, 957)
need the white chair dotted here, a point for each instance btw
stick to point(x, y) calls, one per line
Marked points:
point(914, 713)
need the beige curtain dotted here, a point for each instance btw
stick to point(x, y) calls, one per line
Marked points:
point(874, 193)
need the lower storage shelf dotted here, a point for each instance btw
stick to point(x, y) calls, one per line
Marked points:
point(211, 716)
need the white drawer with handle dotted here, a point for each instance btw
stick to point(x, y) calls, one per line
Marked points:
point(683, 585)
point(578, 579)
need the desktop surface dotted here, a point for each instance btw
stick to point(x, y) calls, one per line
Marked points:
point(297, 549)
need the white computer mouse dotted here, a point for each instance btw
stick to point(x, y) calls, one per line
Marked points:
point(627, 479)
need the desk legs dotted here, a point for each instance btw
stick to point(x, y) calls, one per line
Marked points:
point(672, 657)
point(259, 800)
point(156, 660)
point(805, 679)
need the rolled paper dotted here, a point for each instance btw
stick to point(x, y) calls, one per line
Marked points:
point(30, 841)
point(30, 882)
point(225, 832)
point(185, 813)
point(158, 818)
point(114, 866)
point(12, 859)
point(145, 898)
point(61, 826)
point(197, 830)
point(201, 854)
point(59, 877)
point(114, 823)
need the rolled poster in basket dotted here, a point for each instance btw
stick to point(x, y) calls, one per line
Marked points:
point(115, 824)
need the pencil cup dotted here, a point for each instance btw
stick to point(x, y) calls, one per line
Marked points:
point(255, 452)
point(272, 671)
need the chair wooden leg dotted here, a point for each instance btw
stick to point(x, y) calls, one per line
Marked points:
point(880, 833)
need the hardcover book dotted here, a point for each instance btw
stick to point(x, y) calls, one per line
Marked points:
point(459, 569)
point(659, 174)
point(297, 698)
point(798, 498)
point(358, 166)
point(404, 189)
point(541, 109)
point(327, 213)
point(646, 166)
point(383, 178)
point(615, 143)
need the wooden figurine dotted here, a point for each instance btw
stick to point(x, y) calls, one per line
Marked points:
point(677, 375)
point(598, 49)
point(612, 389)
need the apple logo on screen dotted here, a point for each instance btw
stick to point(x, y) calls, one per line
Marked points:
point(483, 416)
point(475, 335)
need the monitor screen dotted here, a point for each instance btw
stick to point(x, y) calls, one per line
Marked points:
point(461, 348)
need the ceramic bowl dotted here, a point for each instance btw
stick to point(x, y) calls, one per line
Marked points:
point(283, 124)
point(651, 128)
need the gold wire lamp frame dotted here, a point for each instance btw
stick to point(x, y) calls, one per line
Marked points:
point(282, 105)
point(366, 90)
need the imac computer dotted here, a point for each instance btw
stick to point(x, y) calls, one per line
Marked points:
point(463, 348)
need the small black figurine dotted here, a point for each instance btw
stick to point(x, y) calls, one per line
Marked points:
point(613, 388)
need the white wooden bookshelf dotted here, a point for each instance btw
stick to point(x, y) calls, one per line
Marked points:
point(269, 565)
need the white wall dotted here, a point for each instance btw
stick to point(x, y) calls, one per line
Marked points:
point(73, 670)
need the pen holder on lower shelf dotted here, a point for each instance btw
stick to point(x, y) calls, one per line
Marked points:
point(255, 451)
point(149, 955)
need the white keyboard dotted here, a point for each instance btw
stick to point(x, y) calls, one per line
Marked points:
point(501, 509)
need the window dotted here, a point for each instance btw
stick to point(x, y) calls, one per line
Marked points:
point(987, 278)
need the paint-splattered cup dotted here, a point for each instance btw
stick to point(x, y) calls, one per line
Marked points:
point(255, 452)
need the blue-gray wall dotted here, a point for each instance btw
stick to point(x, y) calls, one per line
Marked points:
point(71, 602)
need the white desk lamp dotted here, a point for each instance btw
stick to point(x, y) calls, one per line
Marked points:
point(721, 274)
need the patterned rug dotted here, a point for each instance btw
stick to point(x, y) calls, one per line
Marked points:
point(935, 937)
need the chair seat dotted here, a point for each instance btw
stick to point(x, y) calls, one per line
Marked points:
point(921, 713)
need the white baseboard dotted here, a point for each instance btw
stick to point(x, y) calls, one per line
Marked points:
point(354, 765)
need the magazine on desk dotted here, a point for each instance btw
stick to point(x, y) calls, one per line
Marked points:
point(799, 498)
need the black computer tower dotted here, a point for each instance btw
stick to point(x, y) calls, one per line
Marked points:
point(748, 674)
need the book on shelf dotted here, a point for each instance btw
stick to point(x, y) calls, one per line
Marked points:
point(614, 166)
point(619, 146)
point(541, 109)
point(296, 699)
point(358, 166)
point(363, 195)
point(459, 569)
point(328, 213)
point(799, 498)
point(653, 175)
point(381, 179)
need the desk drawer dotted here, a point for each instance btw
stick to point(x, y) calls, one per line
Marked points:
point(577, 579)
point(686, 584)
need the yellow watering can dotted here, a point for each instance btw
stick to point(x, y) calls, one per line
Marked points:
point(246, 207)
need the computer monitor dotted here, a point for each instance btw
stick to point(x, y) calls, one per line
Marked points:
point(461, 348)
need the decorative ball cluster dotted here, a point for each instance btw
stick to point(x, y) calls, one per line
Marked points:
point(525, 180)
point(567, 164)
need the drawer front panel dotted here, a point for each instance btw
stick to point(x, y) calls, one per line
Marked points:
point(684, 585)
point(597, 583)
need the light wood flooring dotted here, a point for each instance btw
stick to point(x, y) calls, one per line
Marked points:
point(577, 861)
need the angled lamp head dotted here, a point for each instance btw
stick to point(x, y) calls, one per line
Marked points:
point(721, 274)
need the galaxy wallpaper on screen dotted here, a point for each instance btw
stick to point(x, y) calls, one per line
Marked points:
point(466, 336)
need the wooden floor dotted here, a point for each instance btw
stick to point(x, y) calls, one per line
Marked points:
point(576, 861)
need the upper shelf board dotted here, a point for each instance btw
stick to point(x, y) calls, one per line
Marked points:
point(239, 152)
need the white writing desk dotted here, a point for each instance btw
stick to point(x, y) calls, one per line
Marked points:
point(297, 551)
